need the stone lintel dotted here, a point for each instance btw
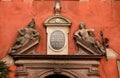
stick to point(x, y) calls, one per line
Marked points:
point(58, 57)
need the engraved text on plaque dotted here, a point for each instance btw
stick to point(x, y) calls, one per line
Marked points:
point(57, 40)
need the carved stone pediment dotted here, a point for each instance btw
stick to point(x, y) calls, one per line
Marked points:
point(87, 42)
point(57, 20)
point(27, 39)
point(57, 29)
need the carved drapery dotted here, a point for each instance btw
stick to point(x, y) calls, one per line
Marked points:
point(87, 42)
point(27, 38)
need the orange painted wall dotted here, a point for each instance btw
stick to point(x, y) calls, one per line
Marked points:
point(97, 14)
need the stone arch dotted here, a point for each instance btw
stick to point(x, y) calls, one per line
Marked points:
point(67, 73)
point(57, 75)
point(57, 20)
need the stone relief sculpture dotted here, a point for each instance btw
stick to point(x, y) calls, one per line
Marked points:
point(86, 38)
point(26, 39)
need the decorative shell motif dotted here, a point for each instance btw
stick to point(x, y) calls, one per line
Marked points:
point(57, 20)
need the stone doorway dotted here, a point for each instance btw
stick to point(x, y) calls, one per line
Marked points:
point(57, 66)
point(57, 76)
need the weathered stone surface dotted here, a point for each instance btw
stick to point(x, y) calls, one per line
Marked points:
point(75, 67)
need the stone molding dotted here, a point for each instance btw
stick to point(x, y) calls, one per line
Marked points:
point(73, 66)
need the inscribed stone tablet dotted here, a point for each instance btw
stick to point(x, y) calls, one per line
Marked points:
point(57, 40)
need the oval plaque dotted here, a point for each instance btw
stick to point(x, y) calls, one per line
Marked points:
point(57, 40)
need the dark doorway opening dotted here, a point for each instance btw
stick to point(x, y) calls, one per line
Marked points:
point(57, 76)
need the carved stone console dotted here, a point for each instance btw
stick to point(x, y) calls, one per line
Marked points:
point(45, 66)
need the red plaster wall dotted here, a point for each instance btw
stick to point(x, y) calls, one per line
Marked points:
point(97, 14)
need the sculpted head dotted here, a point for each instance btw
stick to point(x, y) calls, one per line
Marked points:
point(91, 33)
point(82, 25)
point(31, 24)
